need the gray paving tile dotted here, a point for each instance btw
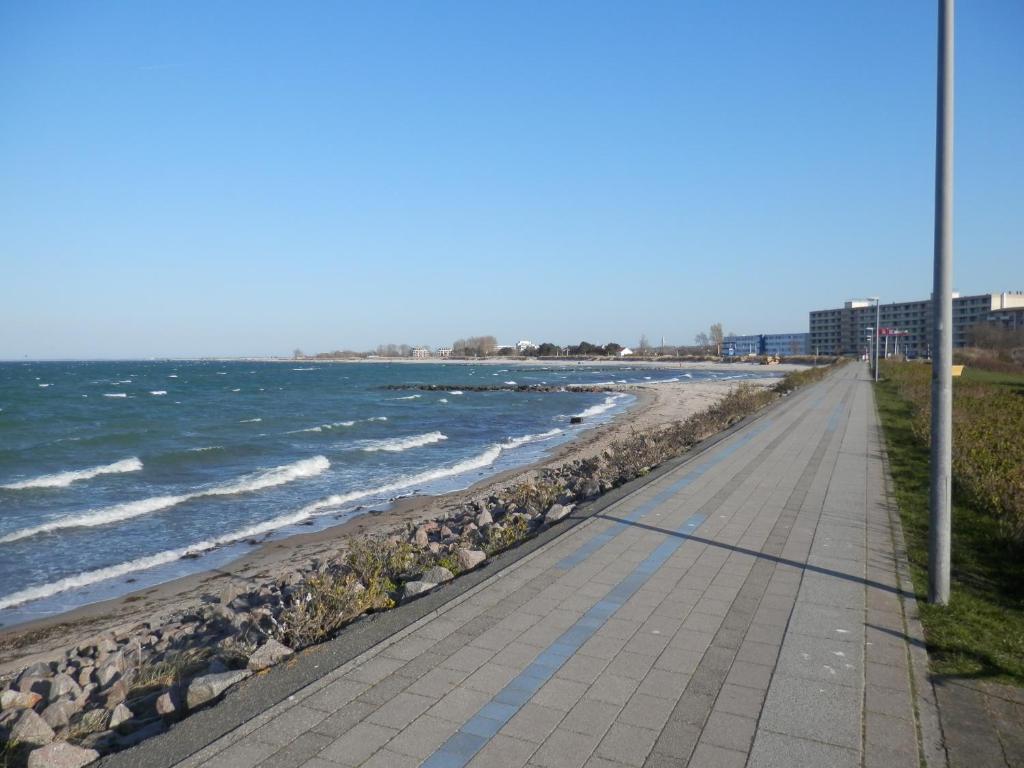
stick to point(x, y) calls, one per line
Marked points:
point(627, 744)
point(357, 745)
point(811, 709)
point(774, 750)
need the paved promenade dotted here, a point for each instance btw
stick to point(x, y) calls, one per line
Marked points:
point(742, 609)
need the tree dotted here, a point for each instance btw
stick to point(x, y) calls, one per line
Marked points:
point(547, 349)
point(298, 354)
point(612, 349)
point(643, 347)
point(717, 337)
point(702, 341)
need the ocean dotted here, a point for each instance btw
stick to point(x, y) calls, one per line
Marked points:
point(116, 476)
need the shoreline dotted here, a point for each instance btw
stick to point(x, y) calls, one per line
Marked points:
point(278, 559)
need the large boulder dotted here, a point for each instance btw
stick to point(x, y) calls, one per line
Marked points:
point(121, 714)
point(484, 518)
point(25, 726)
point(206, 688)
point(557, 512)
point(470, 558)
point(19, 700)
point(64, 685)
point(167, 703)
point(269, 654)
point(58, 714)
point(60, 754)
point(437, 575)
point(412, 588)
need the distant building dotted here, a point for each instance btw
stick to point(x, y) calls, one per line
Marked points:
point(443, 352)
point(524, 346)
point(777, 344)
point(420, 352)
point(844, 330)
point(625, 352)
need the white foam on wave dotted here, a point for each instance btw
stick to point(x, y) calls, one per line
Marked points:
point(88, 578)
point(409, 397)
point(515, 442)
point(303, 369)
point(399, 444)
point(596, 410)
point(455, 392)
point(207, 448)
point(236, 390)
point(172, 376)
point(115, 394)
point(321, 427)
point(250, 421)
point(378, 418)
point(485, 459)
point(44, 386)
point(258, 481)
point(64, 479)
point(158, 392)
point(510, 383)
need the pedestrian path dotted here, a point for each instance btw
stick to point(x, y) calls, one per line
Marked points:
point(743, 609)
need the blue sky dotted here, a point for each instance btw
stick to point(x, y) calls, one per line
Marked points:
point(245, 178)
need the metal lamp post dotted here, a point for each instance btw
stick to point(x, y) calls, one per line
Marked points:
point(940, 490)
point(878, 329)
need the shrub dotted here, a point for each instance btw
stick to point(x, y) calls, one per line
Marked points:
point(988, 454)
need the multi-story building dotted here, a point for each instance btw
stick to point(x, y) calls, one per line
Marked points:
point(420, 352)
point(846, 330)
point(443, 352)
point(779, 344)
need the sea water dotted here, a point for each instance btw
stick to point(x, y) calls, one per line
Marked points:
point(116, 476)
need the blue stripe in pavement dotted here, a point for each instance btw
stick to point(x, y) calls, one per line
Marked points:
point(476, 732)
point(833, 419)
point(588, 548)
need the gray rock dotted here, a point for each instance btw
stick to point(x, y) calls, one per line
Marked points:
point(19, 700)
point(64, 685)
point(58, 714)
point(39, 669)
point(437, 575)
point(120, 715)
point(208, 687)
point(85, 674)
point(167, 703)
point(269, 654)
point(40, 685)
point(470, 558)
point(413, 588)
point(110, 669)
point(421, 538)
point(26, 726)
point(114, 695)
point(60, 754)
point(557, 512)
point(484, 518)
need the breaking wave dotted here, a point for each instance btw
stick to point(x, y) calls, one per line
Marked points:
point(399, 444)
point(64, 479)
point(88, 578)
point(515, 442)
point(120, 512)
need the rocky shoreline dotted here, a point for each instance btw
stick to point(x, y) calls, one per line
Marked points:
point(122, 686)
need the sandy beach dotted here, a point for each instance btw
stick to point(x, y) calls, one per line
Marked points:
point(657, 404)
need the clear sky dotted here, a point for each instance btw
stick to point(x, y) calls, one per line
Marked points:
point(202, 178)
